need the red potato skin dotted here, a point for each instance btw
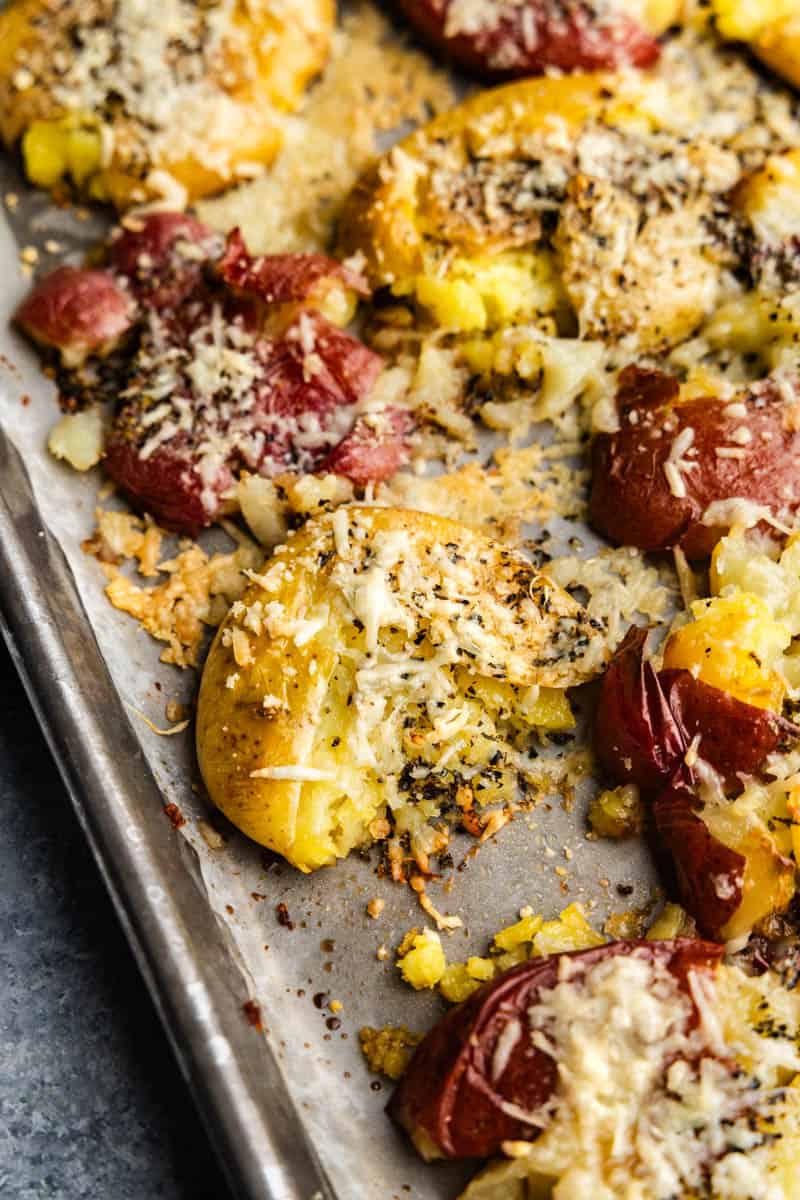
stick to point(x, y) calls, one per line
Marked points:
point(646, 720)
point(77, 312)
point(349, 368)
point(645, 723)
point(147, 255)
point(374, 450)
point(567, 37)
point(710, 875)
point(167, 275)
point(167, 483)
point(631, 501)
point(735, 738)
point(447, 1099)
point(283, 278)
point(637, 738)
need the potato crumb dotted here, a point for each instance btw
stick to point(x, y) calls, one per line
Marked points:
point(617, 812)
point(388, 1050)
point(530, 937)
point(422, 964)
point(632, 923)
point(375, 907)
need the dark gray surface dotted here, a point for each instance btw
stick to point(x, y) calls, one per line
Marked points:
point(91, 1102)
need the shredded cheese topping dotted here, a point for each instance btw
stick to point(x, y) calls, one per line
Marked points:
point(651, 1103)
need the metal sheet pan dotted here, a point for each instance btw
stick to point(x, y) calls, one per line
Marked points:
point(291, 1111)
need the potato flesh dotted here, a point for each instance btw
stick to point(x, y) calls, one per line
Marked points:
point(69, 147)
point(512, 287)
point(771, 29)
point(771, 574)
point(291, 686)
point(111, 151)
point(732, 644)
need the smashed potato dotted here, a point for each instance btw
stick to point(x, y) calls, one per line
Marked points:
point(384, 663)
point(543, 202)
point(733, 643)
point(427, 198)
point(771, 30)
point(720, 1120)
point(133, 101)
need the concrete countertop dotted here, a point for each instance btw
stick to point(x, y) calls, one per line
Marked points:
point(92, 1106)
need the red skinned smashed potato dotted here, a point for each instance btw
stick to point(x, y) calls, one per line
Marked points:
point(77, 312)
point(654, 479)
point(511, 40)
point(452, 1101)
point(710, 875)
point(647, 719)
point(181, 465)
point(645, 723)
point(179, 325)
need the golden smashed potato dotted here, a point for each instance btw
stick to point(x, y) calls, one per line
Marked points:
point(427, 197)
point(536, 202)
point(771, 28)
point(385, 663)
point(129, 102)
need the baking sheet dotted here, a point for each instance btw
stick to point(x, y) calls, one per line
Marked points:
point(234, 937)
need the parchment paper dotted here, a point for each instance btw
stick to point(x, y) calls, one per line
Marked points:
point(332, 947)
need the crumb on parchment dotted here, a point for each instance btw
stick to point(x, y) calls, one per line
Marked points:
point(196, 593)
point(388, 1050)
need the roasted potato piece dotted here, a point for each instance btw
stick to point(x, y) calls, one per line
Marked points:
point(429, 196)
point(771, 30)
point(77, 312)
point(383, 658)
point(581, 1151)
point(130, 102)
point(314, 280)
point(646, 720)
point(234, 366)
point(663, 730)
point(733, 643)
point(238, 398)
point(664, 478)
point(153, 263)
point(769, 571)
point(460, 217)
point(479, 1077)
point(501, 39)
point(732, 861)
point(637, 738)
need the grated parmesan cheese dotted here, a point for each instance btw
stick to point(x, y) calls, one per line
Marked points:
point(648, 1104)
